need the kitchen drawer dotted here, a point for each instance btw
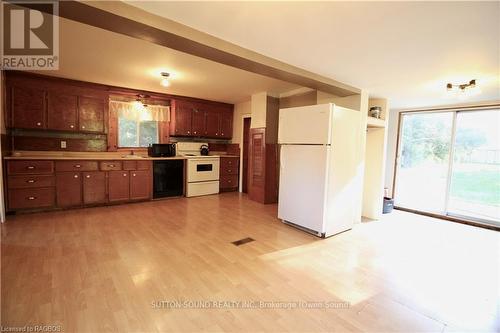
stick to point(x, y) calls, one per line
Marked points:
point(136, 165)
point(129, 165)
point(229, 165)
point(29, 167)
point(31, 198)
point(30, 181)
point(144, 165)
point(76, 166)
point(228, 181)
point(111, 165)
point(202, 188)
point(229, 171)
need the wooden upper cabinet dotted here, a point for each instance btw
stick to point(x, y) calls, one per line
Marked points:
point(226, 124)
point(68, 189)
point(181, 121)
point(198, 122)
point(213, 123)
point(62, 111)
point(91, 111)
point(28, 107)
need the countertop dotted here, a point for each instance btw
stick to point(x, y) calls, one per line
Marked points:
point(104, 156)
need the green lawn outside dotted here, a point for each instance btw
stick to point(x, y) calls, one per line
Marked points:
point(478, 186)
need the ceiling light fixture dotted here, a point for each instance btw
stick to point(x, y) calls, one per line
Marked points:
point(464, 90)
point(164, 81)
point(140, 101)
point(462, 87)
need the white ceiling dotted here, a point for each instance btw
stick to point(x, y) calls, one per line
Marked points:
point(95, 55)
point(405, 51)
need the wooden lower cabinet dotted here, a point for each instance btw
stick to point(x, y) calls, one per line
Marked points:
point(229, 171)
point(94, 187)
point(118, 186)
point(31, 198)
point(68, 189)
point(33, 184)
point(140, 185)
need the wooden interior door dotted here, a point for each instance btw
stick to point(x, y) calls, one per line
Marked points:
point(246, 141)
point(257, 163)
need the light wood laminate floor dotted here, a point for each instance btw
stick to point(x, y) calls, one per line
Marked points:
point(109, 269)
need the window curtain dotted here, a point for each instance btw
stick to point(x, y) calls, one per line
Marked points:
point(138, 112)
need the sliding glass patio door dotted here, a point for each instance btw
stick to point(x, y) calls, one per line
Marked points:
point(449, 163)
point(475, 173)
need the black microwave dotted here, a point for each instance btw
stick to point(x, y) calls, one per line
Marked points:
point(161, 150)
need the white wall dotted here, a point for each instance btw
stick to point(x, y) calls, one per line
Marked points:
point(259, 109)
point(241, 110)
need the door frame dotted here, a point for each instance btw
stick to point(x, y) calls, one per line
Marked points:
point(446, 215)
point(240, 181)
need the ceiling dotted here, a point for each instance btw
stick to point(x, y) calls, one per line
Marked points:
point(95, 55)
point(404, 51)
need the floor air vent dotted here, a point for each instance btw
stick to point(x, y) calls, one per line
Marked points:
point(243, 241)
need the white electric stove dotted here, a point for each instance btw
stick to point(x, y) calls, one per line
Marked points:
point(202, 174)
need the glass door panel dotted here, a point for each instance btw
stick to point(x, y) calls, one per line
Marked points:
point(475, 177)
point(423, 161)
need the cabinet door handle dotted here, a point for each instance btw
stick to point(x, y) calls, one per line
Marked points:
point(124, 175)
point(31, 198)
point(216, 133)
point(229, 181)
point(83, 127)
point(71, 126)
point(133, 174)
point(87, 176)
point(38, 124)
point(78, 166)
point(194, 132)
point(75, 176)
point(189, 132)
point(30, 181)
point(30, 167)
point(111, 165)
point(229, 162)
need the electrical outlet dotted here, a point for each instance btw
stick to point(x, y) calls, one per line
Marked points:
point(63, 144)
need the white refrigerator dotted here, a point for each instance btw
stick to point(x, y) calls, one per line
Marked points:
point(319, 160)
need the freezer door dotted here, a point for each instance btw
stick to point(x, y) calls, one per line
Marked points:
point(302, 185)
point(305, 125)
